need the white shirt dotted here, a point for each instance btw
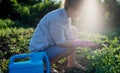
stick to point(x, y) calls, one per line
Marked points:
point(53, 29)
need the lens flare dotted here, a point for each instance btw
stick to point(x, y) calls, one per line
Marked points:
point(91, 16)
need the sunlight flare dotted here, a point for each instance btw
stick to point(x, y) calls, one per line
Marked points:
point(91, 16)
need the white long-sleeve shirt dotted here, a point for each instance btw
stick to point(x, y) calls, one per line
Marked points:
point(53, 29)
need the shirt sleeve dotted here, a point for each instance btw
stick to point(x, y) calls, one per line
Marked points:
point(57, 32)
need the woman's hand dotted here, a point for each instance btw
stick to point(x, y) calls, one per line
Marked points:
point(89, 44)
point(83, 43)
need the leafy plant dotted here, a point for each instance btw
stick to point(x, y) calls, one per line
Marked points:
point(104, 60)
point(13, 41)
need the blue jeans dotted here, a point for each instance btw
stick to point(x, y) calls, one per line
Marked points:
point(54, 51)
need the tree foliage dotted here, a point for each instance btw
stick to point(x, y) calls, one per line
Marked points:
point(27, 11)
point(111, 11)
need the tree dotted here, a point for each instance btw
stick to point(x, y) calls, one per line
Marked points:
point(29, 2)
point(27, 11)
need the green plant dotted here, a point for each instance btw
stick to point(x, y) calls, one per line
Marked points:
point(104, 60)
point(107, 60)
point(13, 41)
point(28, 12)
point(6, 23)
point(38, 10)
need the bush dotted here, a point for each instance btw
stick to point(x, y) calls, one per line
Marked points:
point(31, 14)
point(104, 60)
point(8, 9)
point(28, 2)
point(28, 12)
point(6, 23)
point(13, 41)
point(38, 10)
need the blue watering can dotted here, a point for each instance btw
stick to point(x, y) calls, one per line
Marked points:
point(34, 65)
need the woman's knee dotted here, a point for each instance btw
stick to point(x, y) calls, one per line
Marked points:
point(71, 49)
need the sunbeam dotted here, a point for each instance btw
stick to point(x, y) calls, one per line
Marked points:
point(91, 16)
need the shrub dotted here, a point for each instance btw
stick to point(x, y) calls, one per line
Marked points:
point(6, 23)
point(28, 2)
point(26, 11)
point(13, 41)
point(104, 60)
point(38, 10)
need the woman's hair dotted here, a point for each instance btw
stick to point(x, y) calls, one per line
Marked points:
point(74, 4)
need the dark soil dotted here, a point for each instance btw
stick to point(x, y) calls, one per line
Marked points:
point(61, 68)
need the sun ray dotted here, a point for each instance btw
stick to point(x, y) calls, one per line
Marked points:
point(91, 16)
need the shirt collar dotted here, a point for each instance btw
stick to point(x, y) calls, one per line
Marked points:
point(65, 15)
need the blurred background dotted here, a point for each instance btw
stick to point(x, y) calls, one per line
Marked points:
point(99, 22)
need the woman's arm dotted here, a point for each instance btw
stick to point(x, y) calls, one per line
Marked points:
point(78, 43)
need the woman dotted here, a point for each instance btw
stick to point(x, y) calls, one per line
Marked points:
point(54, 35)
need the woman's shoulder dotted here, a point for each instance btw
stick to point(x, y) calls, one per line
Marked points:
point(57, 11)
point(55, 14)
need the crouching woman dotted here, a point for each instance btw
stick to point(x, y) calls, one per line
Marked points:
point(54, 35)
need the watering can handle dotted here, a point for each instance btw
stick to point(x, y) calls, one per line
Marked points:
point(47, 63)
point(19, 57)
